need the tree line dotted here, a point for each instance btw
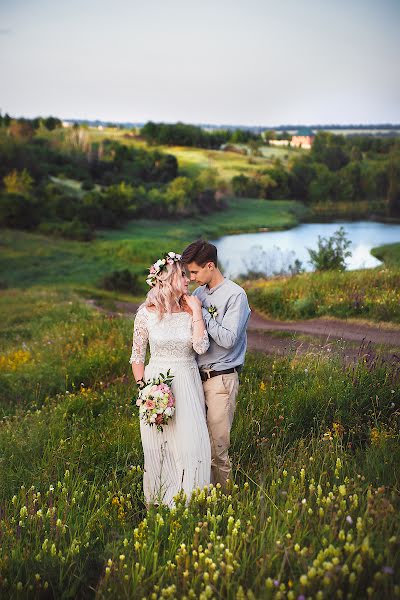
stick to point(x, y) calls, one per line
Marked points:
point(181, 134)
point(337, 168)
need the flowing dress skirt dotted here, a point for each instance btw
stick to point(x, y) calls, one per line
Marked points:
point(179, 457)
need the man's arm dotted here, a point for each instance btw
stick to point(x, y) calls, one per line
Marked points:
point(234, 320)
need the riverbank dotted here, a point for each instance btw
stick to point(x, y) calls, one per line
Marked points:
point(29, 259)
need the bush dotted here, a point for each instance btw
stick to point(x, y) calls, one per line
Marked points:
point(305, 307)
point(122, 281)
point(87, 184)
point(332, 252)
point(73, 230)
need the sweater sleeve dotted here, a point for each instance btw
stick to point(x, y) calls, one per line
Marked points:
point(233, 322)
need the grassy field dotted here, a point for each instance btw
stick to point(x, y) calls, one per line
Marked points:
point(30, 259)
point(193, 160)
point(370, 294)
point(389, 254)
point(312, 511)
point(228, 164)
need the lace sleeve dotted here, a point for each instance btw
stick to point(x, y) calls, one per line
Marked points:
point(201, 345)
point(140, 338)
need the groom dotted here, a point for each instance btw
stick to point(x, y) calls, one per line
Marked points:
point(226, 313)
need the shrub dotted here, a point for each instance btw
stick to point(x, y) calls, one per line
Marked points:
point(331, 253)
point(305, 307)
point(87, 184)
point(73, 230)
point(122, 281)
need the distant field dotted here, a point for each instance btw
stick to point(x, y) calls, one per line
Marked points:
point(193, 160)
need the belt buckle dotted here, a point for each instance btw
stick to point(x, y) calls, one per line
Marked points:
point(207, 372)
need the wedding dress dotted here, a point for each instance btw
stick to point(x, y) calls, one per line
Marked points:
point(180, 456)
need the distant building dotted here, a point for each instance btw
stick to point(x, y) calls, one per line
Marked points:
point(279, 142)
point(303, 139)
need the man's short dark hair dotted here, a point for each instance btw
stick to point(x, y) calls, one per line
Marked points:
point(200, 252)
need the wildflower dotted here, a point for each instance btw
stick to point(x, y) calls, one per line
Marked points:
point(349, 520)
point(342, 490)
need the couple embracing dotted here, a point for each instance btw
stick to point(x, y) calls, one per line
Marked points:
point(201, 340)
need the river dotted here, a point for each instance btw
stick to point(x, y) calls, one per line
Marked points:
point(272, 252)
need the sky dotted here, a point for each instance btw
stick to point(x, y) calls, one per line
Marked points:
point(248, 62)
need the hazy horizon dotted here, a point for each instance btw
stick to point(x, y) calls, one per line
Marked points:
point(303, 62)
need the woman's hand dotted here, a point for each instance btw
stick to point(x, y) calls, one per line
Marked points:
point(193, 304)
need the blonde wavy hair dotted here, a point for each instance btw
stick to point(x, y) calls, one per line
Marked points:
point(168, 290)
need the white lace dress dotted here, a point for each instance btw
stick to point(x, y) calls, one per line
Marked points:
point(180, 456)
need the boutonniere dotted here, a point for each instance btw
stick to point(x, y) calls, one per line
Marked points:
point(213, 311)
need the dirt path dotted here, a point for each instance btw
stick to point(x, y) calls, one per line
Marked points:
point(274, 337)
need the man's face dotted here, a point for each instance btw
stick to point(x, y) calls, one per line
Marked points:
point(200, 275)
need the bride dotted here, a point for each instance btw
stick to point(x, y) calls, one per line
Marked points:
point(179, 457)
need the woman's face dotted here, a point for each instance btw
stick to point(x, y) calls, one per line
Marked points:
point(185, 281)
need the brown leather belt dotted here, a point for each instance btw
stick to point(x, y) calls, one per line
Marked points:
point(208, 374)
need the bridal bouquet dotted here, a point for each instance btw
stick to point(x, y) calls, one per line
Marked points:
point(156, 402)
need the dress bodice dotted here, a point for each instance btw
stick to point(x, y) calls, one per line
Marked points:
point(170, 337)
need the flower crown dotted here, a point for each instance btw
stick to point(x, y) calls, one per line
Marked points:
point(169, 259)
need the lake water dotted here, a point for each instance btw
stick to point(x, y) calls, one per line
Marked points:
point(272, 252)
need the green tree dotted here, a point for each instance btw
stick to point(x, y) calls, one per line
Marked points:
point(393, 196)
point(331, 252)
point(18, 183)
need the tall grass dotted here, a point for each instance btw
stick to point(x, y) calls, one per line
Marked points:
point(311, 511)
point(371, 293)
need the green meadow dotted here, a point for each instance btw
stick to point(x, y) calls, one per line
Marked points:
point(32, 259)
point(192, 160)
point(312, 510)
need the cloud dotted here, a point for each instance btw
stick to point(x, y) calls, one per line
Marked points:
point(5, 31)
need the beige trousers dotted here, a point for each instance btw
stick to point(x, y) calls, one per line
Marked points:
point(220, 395)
